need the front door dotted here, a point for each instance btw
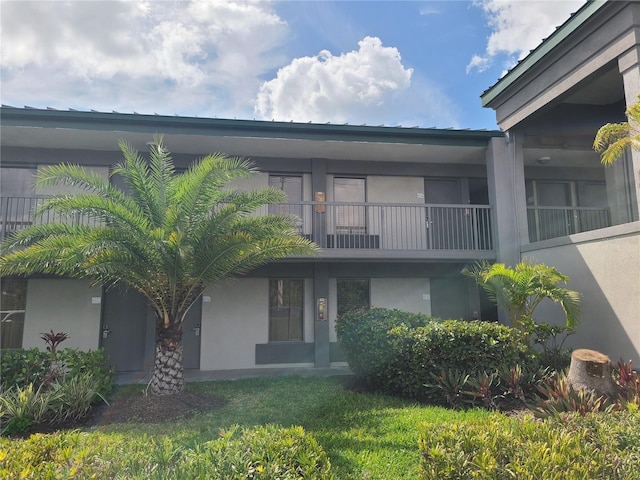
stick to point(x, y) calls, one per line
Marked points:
point(449, 298)
point(443, 222)
point(191, 335)
point(124, 333)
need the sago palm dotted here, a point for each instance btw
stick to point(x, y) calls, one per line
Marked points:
point(520, 290)
point(169, 236)
point(614, 138)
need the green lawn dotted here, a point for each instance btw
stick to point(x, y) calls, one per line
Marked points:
point(365, 436)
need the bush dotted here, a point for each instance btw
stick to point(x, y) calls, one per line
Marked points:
point(62, 385)
point(370, 351)
point(24, 367)
point(20, 408)
point(500, 447)
point(415, 356)
point(267, 453)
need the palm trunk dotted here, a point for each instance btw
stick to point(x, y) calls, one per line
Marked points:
point(168, 373)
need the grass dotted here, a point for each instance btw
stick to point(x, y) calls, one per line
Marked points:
point(366, 436)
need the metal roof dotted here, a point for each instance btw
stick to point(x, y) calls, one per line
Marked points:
point(135, 122)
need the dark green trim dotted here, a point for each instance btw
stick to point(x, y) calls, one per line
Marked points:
point(268, 353)
point(31, 117)
point(561, 33)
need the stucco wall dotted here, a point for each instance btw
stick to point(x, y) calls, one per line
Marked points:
point(408, 294)
point(606, 271)
point(237, 318)
point(62, 305)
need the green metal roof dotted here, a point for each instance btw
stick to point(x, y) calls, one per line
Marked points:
point(134, 122)
point(560, 34)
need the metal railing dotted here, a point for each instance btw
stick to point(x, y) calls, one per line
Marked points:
point(393, 226)
point(378, 226)
point(552, 222)
point(17, 213)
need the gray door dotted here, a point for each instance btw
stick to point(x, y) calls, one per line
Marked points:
point(191, 334)
point(447, 227)
point(124, 332)
point(128, 332)
point(449, 298)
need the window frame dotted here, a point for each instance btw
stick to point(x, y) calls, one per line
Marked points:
point(270, 338)
point(351, 279)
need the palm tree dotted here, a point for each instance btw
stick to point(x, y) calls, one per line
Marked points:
point(169, 237)
point(613, 138)
point(521, 289)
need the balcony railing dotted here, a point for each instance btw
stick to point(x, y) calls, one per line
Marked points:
point(393, 226)
point(552, 222)
point(17, 213)
point(334, 226)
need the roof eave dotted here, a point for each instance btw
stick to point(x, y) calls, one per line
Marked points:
point(551, 42)
point(50, 118)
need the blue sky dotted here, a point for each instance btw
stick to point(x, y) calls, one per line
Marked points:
point(410, 63)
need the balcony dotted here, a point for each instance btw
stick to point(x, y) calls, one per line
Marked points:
point(393, 230)
point(552, 222)
point(349, 230)
point(17, 213)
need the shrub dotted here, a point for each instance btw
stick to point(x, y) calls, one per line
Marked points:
point(78, 363)
point(62, 384)
point(20, 408)
point(74, 395)
point(267, 453)
point(500, 447)
point(24, 367)
point(468, 348)
point(364, 338)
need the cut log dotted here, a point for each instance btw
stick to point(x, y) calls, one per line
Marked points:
point(591, 370)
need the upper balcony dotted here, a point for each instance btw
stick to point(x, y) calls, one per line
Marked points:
point(350, 230)
point(552, 222)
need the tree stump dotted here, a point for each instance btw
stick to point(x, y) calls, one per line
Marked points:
point(591, 370)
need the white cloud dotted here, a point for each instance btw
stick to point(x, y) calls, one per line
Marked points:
point(368, 85)
point(180, 56)
point(518, 26)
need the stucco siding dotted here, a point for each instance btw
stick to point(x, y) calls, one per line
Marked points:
point(62, 305)
point(237, 319)
point(606, 272)
point(408, 294)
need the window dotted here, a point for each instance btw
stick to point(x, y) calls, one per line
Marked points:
point(18, 198)
point(353, 294)
point(559, 208)
point(286, 310)
point(13, 301)
point(292, 187)
point(17, 182)
point(350, 219)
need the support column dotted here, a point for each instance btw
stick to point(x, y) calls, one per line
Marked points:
point(319, 186)
point(321, 326)
point(629, 66)
point(505, 179)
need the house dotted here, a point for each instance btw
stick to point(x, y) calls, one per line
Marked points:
point(397, 211)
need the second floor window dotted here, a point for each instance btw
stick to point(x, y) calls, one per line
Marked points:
point(292, 186)
point(350, 219)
